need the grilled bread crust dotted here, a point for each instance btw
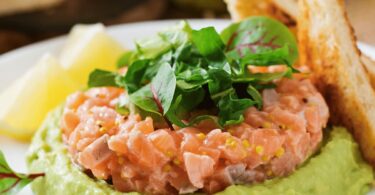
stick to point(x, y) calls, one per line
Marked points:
point(328, 45)
point(289, 7)
point(370, 69)
point(240, 9)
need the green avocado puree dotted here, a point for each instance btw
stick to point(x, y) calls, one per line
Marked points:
point(337, 169)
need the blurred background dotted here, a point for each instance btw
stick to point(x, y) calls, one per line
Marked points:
point(26, 21)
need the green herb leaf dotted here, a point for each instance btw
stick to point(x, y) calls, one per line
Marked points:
point(190, 99)
point(208, 42)
point(126, 59)
point(134, 76)
point(184, 52)
point(254, 93)
point(143, 98)
point(210, 45)
point(173, 115)
point(154, 66)
point(153, 47)
point(122, 106)
point(184, 102)
point(163, 86)
point(231, 109)
point(220, 84)
point(261, 77)
point(100, 78)
point(260, 41)
point(177, 35)
point(4, 167)
point(157, 96)
point(11, 182)
point(261, 86)
point(201, 118)
point(192, 79)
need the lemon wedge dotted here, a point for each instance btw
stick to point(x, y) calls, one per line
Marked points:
point(26, 102)
point(89, 47)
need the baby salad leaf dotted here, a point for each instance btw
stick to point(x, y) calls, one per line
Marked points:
point(260, 41)
point(254, 93)
point(183, 52)
point(11, 182)
point(192, 78)
point(140, 72)
point(177, 35)
point(173, 114)
point(157, 96)
point(201, 118)
point(144, 99)
point(184, 102)
point(163, 86)
point(208, 42)
point(154, 65)
point(210, 45)
point(261, 77)
point(126, 59)
point(133, 78)
point(220, 84)
point(151, 47)
point(100, 78)
point(164, 41)
point(245, 56)
point(190, 99)
point(231, 109)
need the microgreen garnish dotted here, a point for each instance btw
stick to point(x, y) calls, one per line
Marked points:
point(12, 182)
point(260, 41)
point(181, 70)
point(99, 78)
point(157, 96)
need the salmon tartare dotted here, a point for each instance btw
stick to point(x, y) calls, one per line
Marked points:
point(137, 156)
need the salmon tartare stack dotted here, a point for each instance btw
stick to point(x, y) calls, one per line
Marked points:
point(208, 112)
point(199, 112)
point(136, 155)
point(195, 111)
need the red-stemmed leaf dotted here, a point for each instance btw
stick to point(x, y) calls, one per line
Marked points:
point(260, 41)
point(12, 182)
point(157, 96)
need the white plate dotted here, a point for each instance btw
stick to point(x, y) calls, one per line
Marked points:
point(15, 63)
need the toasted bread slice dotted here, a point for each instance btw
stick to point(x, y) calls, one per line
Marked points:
point(289, 7)
point(370, 68)
point(328, 46)
point(240, 9)
point(283, 10)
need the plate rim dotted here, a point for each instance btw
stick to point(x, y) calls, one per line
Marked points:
point(111, 28)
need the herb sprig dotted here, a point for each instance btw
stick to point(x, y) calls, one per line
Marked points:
point(181, 70)
point(12, 182)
